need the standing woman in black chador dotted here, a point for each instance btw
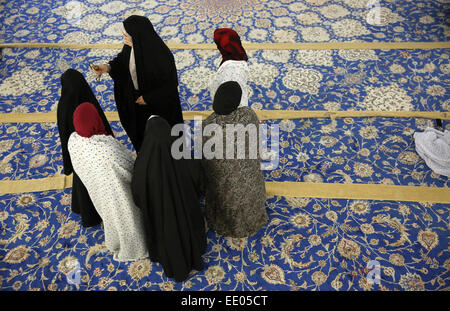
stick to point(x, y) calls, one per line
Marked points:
point(74, 91)
point(145, 79)
point(168, 193)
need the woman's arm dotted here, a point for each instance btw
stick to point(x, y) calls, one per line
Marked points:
point(116, 66)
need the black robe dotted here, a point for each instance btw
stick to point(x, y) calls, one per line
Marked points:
point(75, 91)
point(167, 191)
point(156, 76)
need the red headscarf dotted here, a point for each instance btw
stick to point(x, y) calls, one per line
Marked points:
point(229, 44)
point(87, 121)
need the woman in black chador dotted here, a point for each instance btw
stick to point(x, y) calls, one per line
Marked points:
point(168, 193)
point(145, 79)
point(74, 91)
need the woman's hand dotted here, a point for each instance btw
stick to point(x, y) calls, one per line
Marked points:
point(141, 101)
point(100, 69)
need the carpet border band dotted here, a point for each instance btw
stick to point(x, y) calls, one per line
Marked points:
point(286, 189)
point(43, 117)
point(252, 46)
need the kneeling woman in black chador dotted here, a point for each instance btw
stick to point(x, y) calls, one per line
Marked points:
point(145, 79)
point(74, 91)
point(167, 192)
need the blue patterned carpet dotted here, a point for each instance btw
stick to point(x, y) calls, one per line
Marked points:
point(350, 150)
point(193, 21)
point(279, 79)
point(308, 244)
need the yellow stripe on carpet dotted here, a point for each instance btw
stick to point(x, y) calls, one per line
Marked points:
point(39, 117)
point(58, 182)
point(359, 191)
point(254, 46)
point(286, 189)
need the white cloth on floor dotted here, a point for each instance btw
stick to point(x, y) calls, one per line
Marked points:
point(231, 70)
point(434, 147)
point(105, 167)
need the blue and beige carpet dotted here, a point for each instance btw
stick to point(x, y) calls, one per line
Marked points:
point(309, 243)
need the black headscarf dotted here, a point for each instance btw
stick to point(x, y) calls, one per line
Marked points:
point(157, 79)
point(167, 192)
point(154, 60)
point(227, 98)
point(74, 91)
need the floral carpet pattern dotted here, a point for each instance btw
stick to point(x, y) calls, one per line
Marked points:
point(353, 150)
point(193, 21)
point(308, 243)
point(396, 80)
point(350, 150)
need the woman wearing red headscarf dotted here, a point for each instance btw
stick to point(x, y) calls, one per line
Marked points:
point(233, 66)
point(105, 167)
point(74, 91)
